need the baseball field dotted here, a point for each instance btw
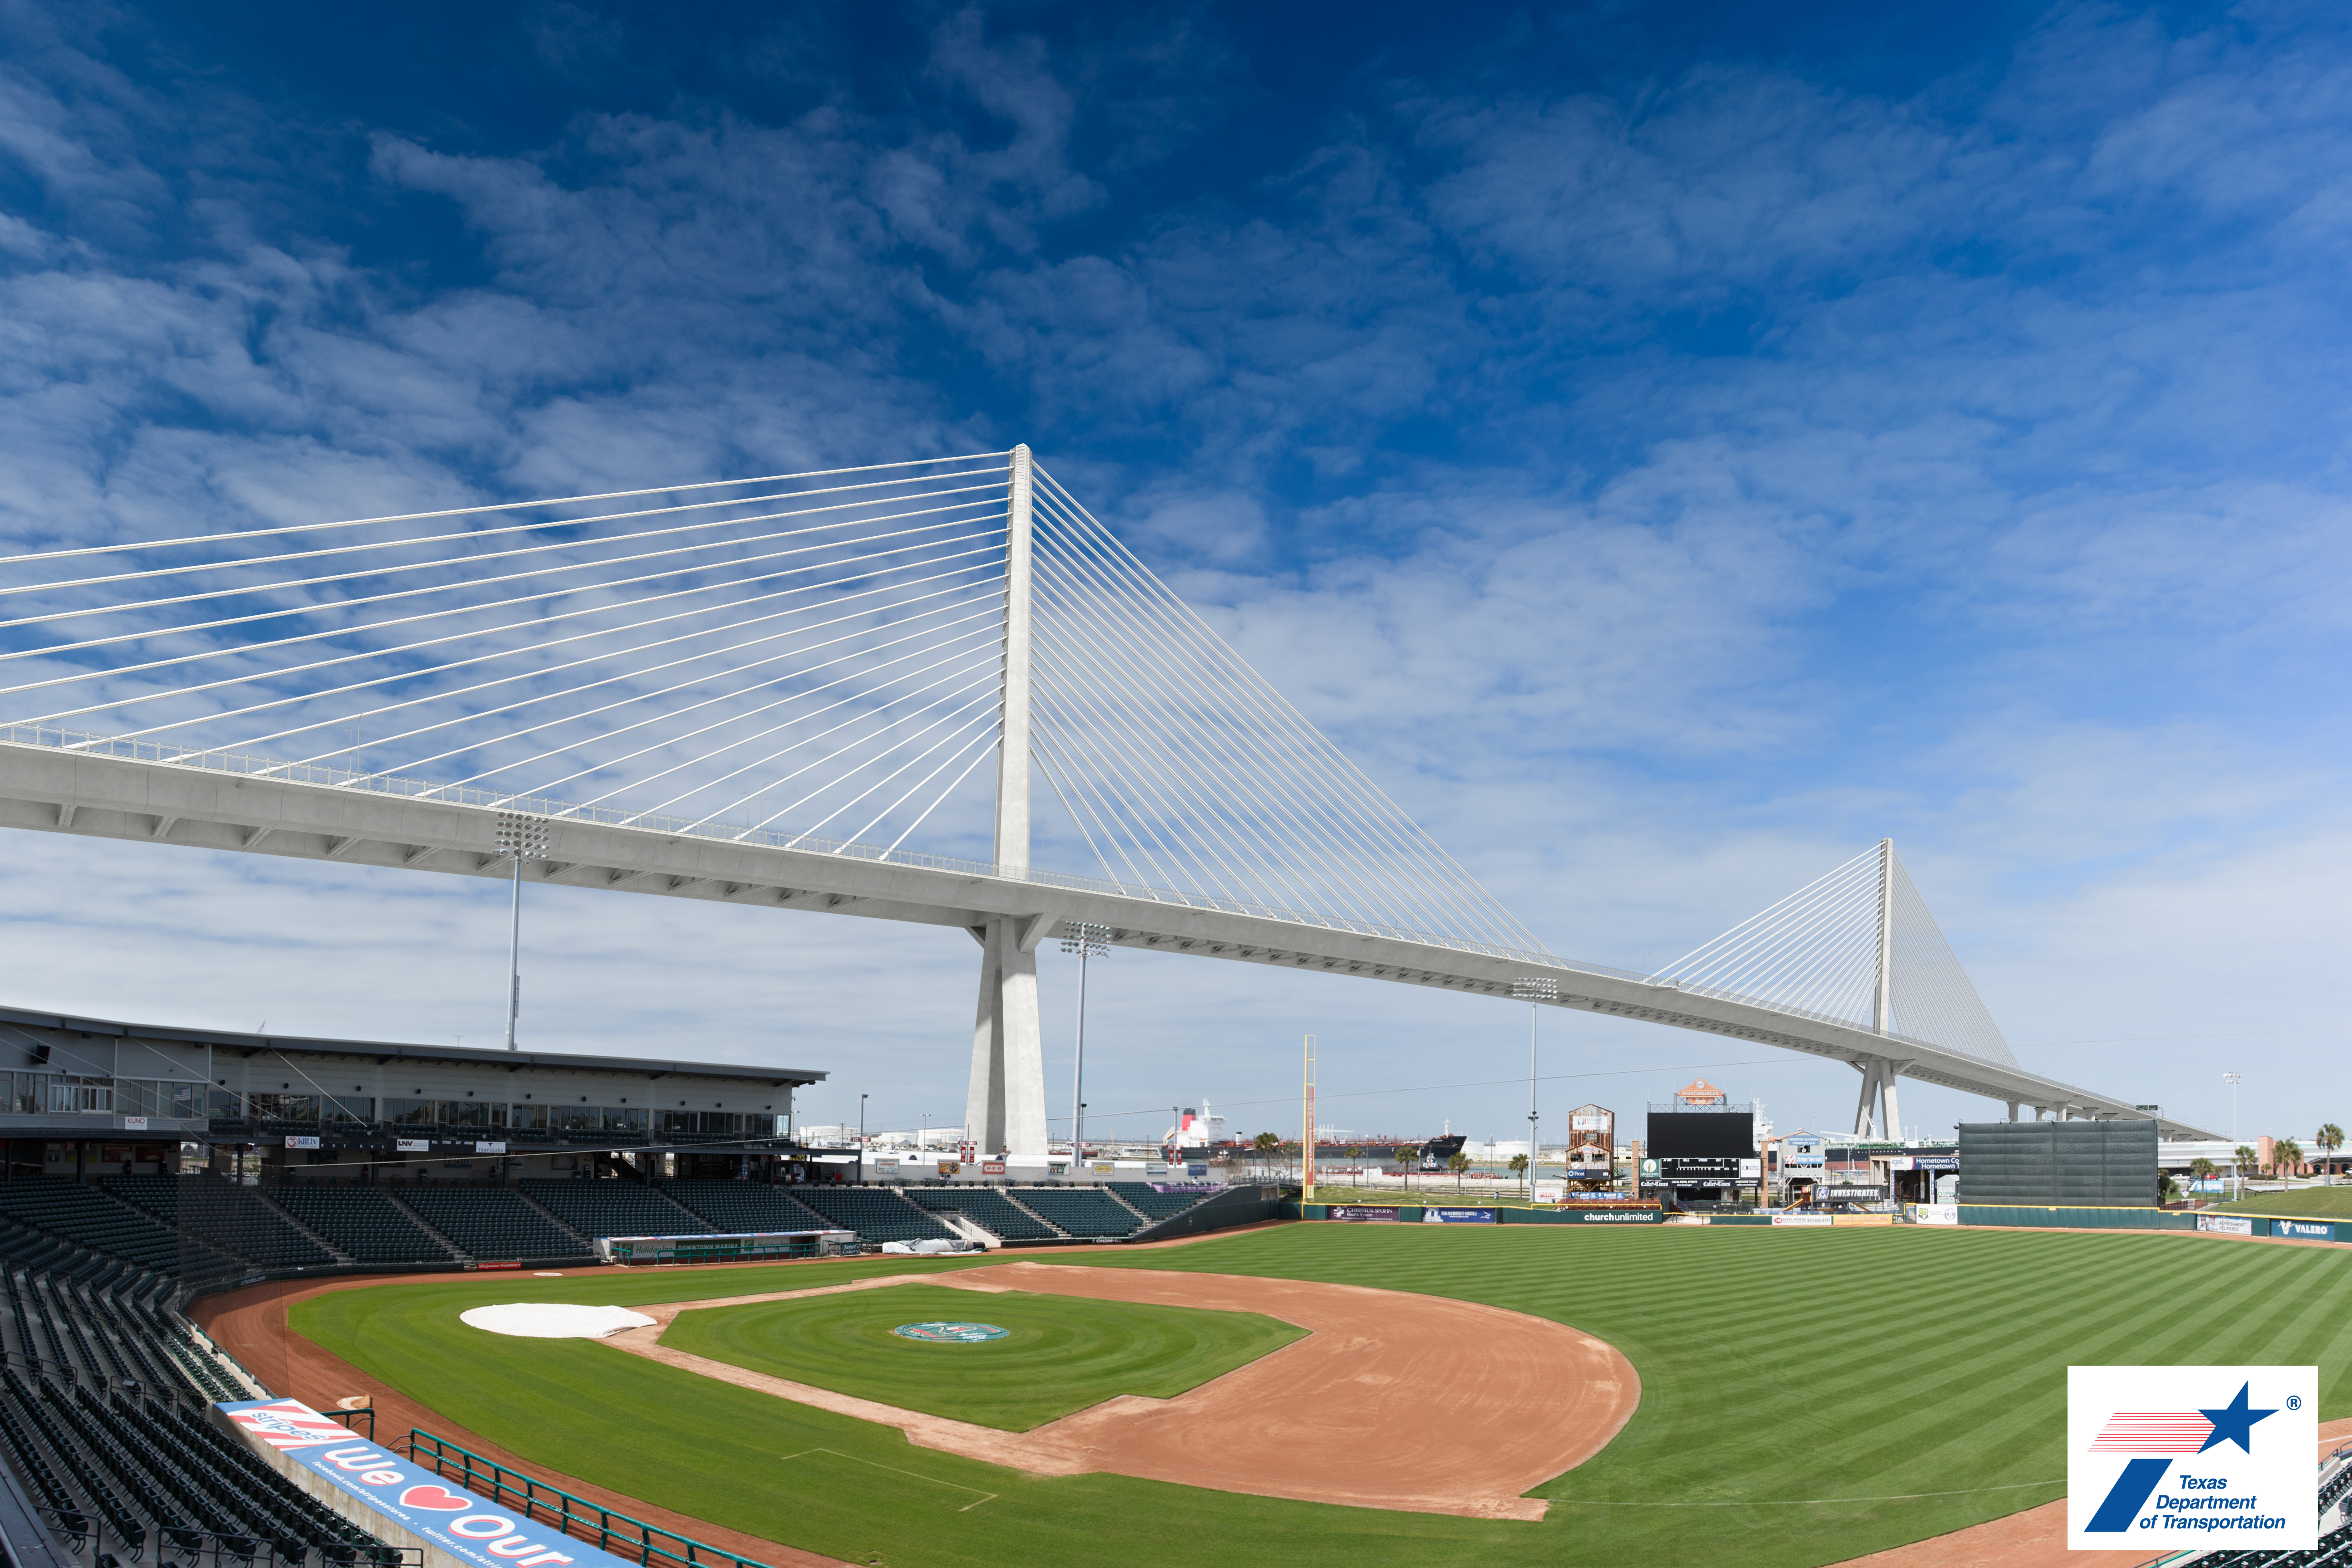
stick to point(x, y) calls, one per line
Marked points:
point(1804, 1397)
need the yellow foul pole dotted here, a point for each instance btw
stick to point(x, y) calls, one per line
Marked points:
point(1307, 1134)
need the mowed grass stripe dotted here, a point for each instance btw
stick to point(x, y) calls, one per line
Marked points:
point(1775, 1366)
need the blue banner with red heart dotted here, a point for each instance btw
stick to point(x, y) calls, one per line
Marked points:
point(406, 1494)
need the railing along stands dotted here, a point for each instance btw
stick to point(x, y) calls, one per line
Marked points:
point(574, 1516)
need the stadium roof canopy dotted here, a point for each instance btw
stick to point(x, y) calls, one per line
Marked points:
point(251, 1045)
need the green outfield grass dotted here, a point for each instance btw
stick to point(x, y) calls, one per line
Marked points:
point(2318, 1203)
point(1060, 1353)
point(1808, 1396)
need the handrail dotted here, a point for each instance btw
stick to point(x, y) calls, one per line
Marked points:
point(613, 1532)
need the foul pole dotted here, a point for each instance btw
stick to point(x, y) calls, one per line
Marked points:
point(1307, 1133)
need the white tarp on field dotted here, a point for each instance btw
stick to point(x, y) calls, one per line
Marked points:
point(552, 1321)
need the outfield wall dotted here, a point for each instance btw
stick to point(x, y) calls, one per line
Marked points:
point(1469, 1213)
point(2034, 1216)
point(2040, 1216)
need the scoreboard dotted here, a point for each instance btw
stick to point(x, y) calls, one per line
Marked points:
point(1704, 1147)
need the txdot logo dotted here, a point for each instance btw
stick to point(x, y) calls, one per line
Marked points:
point(2163, 1458)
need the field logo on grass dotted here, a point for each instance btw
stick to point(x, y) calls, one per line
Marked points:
point(951, 1334)
point(2167, 1457)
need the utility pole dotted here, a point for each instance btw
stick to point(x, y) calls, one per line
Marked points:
point(2238, 1179)
point(520, 836)
point(1534, 992)
point(1088, 940)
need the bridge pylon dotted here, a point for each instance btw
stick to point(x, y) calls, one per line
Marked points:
point(1004, 1107)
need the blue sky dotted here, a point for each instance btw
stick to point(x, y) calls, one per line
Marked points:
point(1670, 447)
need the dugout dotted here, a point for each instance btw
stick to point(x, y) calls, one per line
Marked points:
point(2086, 1165)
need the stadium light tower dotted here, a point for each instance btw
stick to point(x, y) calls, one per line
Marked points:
point(1088, 940)
point(520, 837)
point(1534, 992)
point(2234, 1081)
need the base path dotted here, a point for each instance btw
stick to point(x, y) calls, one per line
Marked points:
point(1519, 1399)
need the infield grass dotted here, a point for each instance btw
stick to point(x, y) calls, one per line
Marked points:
point(1807, 1396)
point(1060, 1353)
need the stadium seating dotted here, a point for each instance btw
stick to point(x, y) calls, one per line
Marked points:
point(228, 1217)
point(490, 1222)
point(84, 1214)
point(1151, 1203)
point(744, 1205)
point(363, 1222)
point(988, 1206)
point(160, 1472)
point(612, 1205)
point(103, 1392)
point(873, 1213)
point(1081, 1211)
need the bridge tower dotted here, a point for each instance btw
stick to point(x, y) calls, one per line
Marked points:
point(1004, 1108)
point(1878, 1075)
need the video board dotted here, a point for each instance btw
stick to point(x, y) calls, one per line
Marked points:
point(1703, 1135)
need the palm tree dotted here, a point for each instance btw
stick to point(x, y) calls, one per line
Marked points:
point(2330, 1137)
point(1265, 1144)
point(2289, 1155)
point(2243, 1160)
point(2201, 1169)
point(1457, 1163)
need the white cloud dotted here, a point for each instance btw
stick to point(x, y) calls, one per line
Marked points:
point(1782, 466)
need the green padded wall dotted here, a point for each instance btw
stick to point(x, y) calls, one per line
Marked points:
point(2093, 1164)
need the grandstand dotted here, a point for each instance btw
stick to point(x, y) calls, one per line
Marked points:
point(743, 1206)
point(235, 1219)
point(1082, 1211)
point(84, 1214)
point(103, 1392)
point(365, 1224)
point(611, 1207)
point(990, 1207)
point(1149, 1202)
point(875, 1214)
point(494, 1222)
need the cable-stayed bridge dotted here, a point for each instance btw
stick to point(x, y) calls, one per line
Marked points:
point(778, 692)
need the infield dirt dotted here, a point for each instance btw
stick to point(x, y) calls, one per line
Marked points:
point(1520, 1398)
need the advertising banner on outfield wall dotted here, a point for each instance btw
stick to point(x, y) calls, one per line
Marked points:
point(409, 1495)
point(1457, 1216)
point(1360, 1212)
point(2307, 1231)
point(2226, 1224)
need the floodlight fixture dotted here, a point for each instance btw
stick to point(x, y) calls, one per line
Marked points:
point(1085, 939)
point(1535, 990)
point(520, 836)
